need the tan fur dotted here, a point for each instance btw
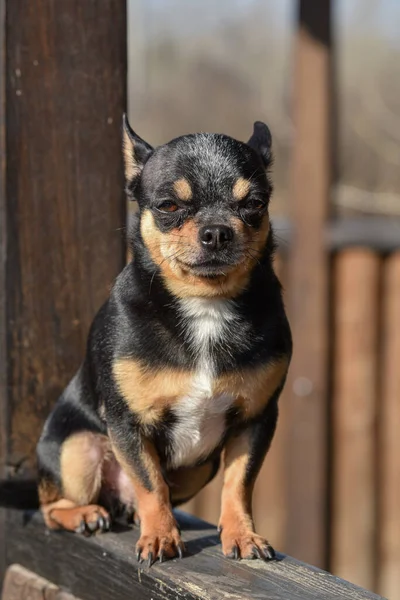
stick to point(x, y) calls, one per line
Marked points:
point(81, 460)
point(252, 388)
point(236, 519)
point(132, 169)
point(148, 392)
point(241, 188)
point(158, 529)
point(48, 492)
point(183, 190)
point(236, 497)
point(151, 464)
point(65, 514)
point(171, 250)
point(236, 458)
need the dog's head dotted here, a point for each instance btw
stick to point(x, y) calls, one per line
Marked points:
point(203, 207)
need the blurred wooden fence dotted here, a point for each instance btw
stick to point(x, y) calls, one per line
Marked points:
point(329, 492)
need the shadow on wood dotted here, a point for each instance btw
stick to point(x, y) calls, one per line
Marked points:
point(104, 566)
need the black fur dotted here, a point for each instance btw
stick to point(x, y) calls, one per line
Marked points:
point(140, 319)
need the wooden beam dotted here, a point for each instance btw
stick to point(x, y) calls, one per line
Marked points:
point(354, 408)
point(62, 75)
point(308, 285)
point(64, 204)
point(389, 427)
point(377, 233)
point(63, 91)
point(104, 566)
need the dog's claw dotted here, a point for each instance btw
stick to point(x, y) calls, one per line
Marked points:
point(180, 551)
point(150, 560)
point(92, 526)
point(81, 528)
point(161, 556)
point(269, 552)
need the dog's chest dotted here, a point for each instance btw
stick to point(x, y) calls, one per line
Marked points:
point(201, 415)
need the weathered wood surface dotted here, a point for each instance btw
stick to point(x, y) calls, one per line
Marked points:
point(104, 567)
point(21, 584)
point(62, 207)
point(355, 411)
point(308, 285)
point(65, 66)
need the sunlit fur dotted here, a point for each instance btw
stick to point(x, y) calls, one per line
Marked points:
point(185, 361)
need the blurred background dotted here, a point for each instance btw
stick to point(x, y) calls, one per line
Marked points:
point(329, 492)
point(325, 76)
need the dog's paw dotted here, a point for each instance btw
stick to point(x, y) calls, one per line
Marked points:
point(159, 545)
point(80, 519)
point(247, 544)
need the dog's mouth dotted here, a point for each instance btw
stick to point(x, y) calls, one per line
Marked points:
point(207, 268)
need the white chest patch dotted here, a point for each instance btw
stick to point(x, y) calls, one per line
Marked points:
point(200, 415)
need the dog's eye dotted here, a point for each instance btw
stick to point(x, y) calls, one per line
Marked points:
point(254, 204)
point(168, 206)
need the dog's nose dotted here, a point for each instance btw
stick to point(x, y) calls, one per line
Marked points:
point(215, 237)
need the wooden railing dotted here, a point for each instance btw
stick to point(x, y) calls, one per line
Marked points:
point(104, 567)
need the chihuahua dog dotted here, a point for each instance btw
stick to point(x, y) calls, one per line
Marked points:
point(185, 361)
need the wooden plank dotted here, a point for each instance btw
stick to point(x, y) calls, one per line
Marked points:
point(356, 277)
point(21, 584)
point(65, 94)
point(104, 567)
point(389, 414)
point(308, 286)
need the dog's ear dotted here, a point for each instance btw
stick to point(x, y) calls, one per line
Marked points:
point(136, 152)
point(261, 142)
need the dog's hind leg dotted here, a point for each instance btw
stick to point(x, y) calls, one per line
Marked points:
point(74, 507)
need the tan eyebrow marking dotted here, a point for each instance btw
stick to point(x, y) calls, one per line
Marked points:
point(182, 189)
point(241, 188)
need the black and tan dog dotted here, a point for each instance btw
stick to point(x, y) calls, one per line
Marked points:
point(185, 361)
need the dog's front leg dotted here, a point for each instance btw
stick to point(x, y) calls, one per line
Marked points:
point(244, 455)
point(159, 533)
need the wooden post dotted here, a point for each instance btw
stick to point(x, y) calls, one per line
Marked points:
point(308, 286)
point(63, 86)
point(354, 411)
point(389, 412)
